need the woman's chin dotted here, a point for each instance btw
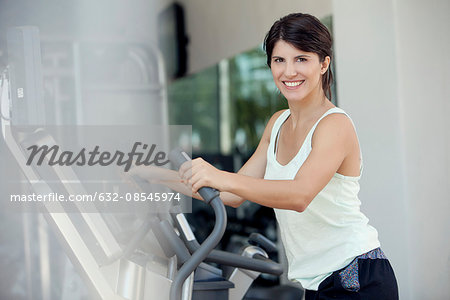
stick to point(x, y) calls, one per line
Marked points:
point(294, 97)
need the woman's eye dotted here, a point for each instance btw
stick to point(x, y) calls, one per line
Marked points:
point(277, 59)
point(301, 59)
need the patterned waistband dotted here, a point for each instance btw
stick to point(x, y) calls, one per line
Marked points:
point(349, 275)
point(375, 253)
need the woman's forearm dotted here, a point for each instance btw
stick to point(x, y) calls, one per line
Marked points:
point(282, 194)
point(231, 199)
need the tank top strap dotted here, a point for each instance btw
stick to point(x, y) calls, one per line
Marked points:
point(276, 127)
point(335, 110)
point(306, 147)
point(332, 110)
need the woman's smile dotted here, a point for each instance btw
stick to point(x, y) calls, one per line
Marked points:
point(293, 84)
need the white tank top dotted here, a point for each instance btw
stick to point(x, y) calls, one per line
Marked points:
point(332, 230)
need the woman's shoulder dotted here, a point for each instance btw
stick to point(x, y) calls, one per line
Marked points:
point(337, 123)
point(336, 120)
point(335, 117)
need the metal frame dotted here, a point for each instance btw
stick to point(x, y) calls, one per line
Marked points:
point(122, 278)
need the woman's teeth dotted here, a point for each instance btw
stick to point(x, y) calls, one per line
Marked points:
point(293, 83)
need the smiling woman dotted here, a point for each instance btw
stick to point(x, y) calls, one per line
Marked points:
point(307, 168)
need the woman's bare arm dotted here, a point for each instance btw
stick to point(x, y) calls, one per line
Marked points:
point(330, 146)
point(254, 167)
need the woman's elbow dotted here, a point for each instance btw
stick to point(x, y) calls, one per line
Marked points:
point(235, 204)
point(299, 207)
point(301, 202)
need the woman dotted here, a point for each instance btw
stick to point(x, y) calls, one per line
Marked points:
point(307, 166)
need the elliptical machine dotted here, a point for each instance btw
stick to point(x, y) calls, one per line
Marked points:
point(237, 284)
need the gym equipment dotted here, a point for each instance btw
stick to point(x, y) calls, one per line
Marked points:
point(101, 259)
point(245, 271)
point(130, 272)
point(166, 266)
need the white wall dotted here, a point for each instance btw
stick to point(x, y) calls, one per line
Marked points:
point(392, 65)
point(422, 32)
point(219, 29)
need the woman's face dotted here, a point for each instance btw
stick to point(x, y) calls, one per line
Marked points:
point(297, 73)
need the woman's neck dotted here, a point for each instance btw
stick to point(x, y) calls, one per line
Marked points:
point(307, 108)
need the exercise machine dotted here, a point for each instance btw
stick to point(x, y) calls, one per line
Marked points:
point(157, 262)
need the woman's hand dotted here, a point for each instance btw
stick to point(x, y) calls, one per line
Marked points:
point(198, 173)
point(157, 175)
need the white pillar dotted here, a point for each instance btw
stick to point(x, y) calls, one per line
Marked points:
point(392, 64)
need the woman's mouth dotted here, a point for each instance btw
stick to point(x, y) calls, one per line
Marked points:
point(293, 84)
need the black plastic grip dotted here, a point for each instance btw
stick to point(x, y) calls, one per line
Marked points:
point(178, 156)
point(259, 240)
point(212, 197)
point(175, 243)
point(257, 263)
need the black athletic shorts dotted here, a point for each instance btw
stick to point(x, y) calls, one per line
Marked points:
point(368, 277)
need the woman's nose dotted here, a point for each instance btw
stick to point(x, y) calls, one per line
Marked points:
point(290, 70)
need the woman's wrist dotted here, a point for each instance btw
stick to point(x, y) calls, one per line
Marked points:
point(227, 182)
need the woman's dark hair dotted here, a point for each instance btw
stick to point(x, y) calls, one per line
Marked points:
point(306, 33)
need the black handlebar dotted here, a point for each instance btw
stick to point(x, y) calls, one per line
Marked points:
point(205, 252)
point(259, 264)
point(260, 240)
point(211, 196)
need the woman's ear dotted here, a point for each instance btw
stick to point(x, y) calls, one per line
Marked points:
point(325, 64)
